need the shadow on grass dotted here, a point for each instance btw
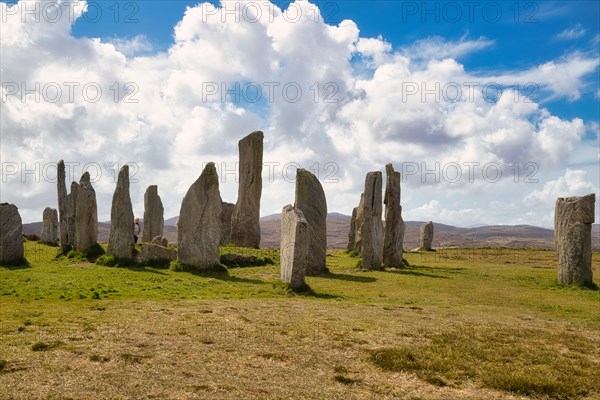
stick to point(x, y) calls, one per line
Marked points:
point(413, 272)
point(21, 264)
point(221, 273)
point(304, 291)
point(143, 268)
point(349, 278)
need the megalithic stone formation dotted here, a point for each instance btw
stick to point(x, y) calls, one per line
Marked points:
point(49, 232)
point(426, 236)
point(71, 205)
point(371, 227)
point(199, 226)
point(573, 219)
point(121, 241)
point(62, 205)
point(11, 234)
point(245, 227)
point(154, 220)
point(393, 237)
point(310, 199)
point(86, 215)
point(294, 246)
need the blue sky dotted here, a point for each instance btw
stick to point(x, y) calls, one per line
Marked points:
point(372, 52)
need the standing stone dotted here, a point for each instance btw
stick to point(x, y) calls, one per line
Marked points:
point(352, 234)
point(310, 199)
point(393, 236)
point(154, 220)
point(226, 213)
point(71, 205)
point(199, 226)
point(371, 230)
point(62, 204)
point(86, 215)
point(426, 236)
point(573, 219)
point(245, 227)
point(49, 232)
point(11, 234)
point(358, 223)
point(121, 241)
point(295, 243)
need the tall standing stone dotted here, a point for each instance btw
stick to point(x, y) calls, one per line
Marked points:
point(62, 204)
point(371, 230)
point(86, 215)
point(11, 234)
point(245, 227)
point(310, 199)
point(573, 219)
point(154, 220)
point(360, 210)
point(226, 213)
point(199, 226)
point(426, 236)
point(352, 233)
point(71, 205)
point(393, 236)
point(295, 243)
point(121, 241)
point(49, 232)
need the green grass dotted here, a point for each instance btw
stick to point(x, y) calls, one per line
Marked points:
point(492, 321)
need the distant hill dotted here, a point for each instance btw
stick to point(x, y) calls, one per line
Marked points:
point(338, 226)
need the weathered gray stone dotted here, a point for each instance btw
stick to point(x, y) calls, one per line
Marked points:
point(394, 227)
point(226, 213)
point(121, 241)
point(11, 234)
point(152, 252)
point(161, 241)
point(245, 227)
point(352, 233)
point(426, 236)
point(62, 204)
point(573, 219)
point(86, 215)
point(71, 205)
point(199, 226)
point(49, 232)
point(360, 210)
point(371, 230)
point(310, 199)
point(154, 220)
point(295, 243)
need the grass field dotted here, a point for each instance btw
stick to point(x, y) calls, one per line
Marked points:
point(456, 324)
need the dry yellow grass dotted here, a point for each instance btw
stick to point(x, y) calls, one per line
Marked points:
point(272, 345)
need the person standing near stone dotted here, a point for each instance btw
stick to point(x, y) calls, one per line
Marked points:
point(49, 234)
point(11, 235)
point(310, 199)
point(573, 219)
point(393, 237)
point(245, 226)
